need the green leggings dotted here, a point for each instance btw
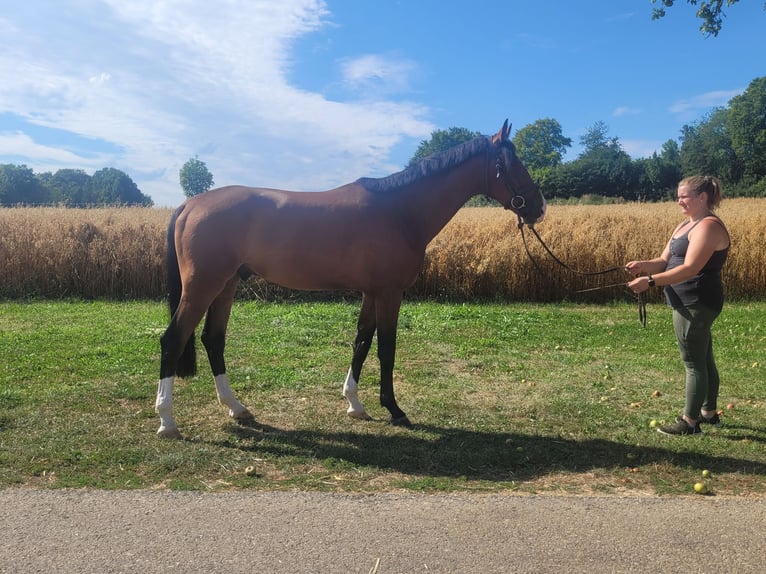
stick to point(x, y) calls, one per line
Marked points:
point(692, 327)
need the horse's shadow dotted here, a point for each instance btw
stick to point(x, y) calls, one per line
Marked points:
point(476, 455)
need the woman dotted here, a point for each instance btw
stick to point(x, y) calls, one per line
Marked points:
point(690, 270)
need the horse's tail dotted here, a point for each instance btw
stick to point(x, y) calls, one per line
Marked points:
point(187, 363)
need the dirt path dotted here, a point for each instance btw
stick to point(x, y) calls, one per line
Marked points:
point(87, 531)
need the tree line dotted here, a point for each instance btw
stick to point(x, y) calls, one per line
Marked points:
point(729, 143)
point(20, 185)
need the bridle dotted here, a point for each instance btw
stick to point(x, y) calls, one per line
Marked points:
point(517, 202)
point(639, 296)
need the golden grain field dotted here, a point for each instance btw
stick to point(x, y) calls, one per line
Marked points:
point(83, 253)
point(480, 253)
point(119, 252)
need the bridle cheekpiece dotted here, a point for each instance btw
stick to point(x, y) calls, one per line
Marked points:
point(516, 202)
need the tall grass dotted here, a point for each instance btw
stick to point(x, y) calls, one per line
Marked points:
point(119, 253)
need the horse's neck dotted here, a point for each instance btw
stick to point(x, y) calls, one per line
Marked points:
point(443, 194)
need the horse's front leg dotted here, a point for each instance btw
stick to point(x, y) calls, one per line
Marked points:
point(365, 329)
point(387, 313)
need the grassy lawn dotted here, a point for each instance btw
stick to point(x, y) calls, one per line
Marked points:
point(521, 397)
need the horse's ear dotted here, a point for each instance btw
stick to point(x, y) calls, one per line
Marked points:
point(506, 130)
point(502, 135)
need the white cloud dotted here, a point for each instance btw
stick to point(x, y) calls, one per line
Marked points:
point(100, 79)
point(641, 148)
point(22, 146)
point(625, 111)
point(379, 73)
point(620, 17)
point(159, 81)
point(705, 101)
point(536, 41)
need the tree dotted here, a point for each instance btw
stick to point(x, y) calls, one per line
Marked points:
point(595, 139)
point(602, 169)
point(442, 140)
point(195, 177)
point(710, 12)
point(668, 172)
point(114, 187)
point(658, 175)
point(72, 187)
point(606, 172)
point(746, 123)
point(706, 148)
point(541, 144)
point(19, 186)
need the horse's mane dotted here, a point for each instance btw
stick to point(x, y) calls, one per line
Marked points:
point(430, 165)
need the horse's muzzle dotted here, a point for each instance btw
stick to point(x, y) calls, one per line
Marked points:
point(527, 220)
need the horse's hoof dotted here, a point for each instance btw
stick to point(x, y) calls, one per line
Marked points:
point(244, 415)
point(402, 421)
point(360, 415)
point(172, 433)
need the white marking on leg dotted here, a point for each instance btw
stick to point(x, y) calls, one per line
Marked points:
point(351, 392)
point(163, 406)
point(227, 398)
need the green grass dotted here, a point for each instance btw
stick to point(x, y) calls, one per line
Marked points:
point(521, 397)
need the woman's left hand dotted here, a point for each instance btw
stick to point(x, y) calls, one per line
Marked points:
point(639, 284)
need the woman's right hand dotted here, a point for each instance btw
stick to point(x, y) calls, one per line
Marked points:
point(635, 267)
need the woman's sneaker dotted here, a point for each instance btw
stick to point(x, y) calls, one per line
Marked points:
point(680, 427)
point(715, 420)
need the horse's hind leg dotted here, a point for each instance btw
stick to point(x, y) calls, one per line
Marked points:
point(173, 345)
point(214, 340)
point(365, 329)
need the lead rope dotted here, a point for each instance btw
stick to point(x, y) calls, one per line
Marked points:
point(641, 300)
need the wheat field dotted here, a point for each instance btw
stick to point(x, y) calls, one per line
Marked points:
point(83, 253)
point(480, 253)
point(118, 253)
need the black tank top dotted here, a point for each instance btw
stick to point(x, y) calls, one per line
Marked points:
point(704, 288)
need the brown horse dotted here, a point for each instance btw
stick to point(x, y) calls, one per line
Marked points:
point(369, 236)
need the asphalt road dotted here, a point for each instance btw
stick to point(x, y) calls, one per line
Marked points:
point(86, 531)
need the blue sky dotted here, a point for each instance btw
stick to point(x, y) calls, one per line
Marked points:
point(311, 94)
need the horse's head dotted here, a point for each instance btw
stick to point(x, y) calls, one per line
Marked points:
point(512, 187)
